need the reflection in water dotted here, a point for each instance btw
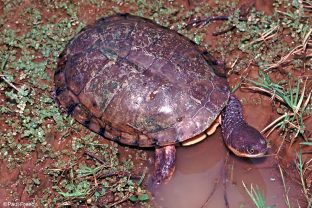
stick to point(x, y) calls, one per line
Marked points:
point(206, 176)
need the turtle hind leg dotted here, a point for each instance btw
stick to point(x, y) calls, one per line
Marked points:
point(164, 164)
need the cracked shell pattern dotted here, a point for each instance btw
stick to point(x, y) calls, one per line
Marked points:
point(138, 83)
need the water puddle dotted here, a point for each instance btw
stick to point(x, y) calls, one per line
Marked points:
point(206, 176)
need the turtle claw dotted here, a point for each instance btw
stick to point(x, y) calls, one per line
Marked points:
point(164, 164)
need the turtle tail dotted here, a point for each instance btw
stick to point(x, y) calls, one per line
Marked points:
point(242, 139)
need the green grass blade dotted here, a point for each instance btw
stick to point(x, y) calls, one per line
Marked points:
point(297, 92)
point(256, 196)
point(291, 93)
point(309, 142)
point(4, 63)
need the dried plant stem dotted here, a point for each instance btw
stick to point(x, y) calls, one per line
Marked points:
point(306, 40)
point(94, 157)
point(300, 49)
point(216, 182)
point(2, 76)
point(284, 58)
point(276, 121)
point(9, 83)
point(120, 201)
point(267, 35)
point(281, 145)
point(300, 168)
point(285, 189)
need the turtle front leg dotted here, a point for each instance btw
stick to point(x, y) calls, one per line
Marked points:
point(164, 164)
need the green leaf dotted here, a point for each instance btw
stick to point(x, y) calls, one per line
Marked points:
point(143, 197)
point(133, 198)
point(97, 195)
point(198, 39)
point(309, 142)
point(295, 3)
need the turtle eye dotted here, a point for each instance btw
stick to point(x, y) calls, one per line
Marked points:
point(250, 150)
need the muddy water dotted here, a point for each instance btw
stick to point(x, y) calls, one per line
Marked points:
point(207, 176)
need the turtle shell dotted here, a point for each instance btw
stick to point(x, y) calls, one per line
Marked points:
point(138, 83)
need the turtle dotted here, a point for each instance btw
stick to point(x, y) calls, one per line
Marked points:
point(140, 84)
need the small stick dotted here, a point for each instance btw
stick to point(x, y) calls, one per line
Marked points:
point(94, 157)
point(3, 76)
point(266, 35)
point(244, 10)
point(9, 83)
point(225, 182)
point(223, 31)
point(205, 21)
point(217, 181)
point(281, 145)
point(119, 202)
point(211, 193)
point(295, 50)
point(119, 174)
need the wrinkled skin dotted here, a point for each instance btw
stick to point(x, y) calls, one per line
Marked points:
point(242, 139)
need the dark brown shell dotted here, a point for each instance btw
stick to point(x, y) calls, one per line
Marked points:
point(138, 83)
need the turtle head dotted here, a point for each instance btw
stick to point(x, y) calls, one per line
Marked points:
point(246, 141)
point(242, 139)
